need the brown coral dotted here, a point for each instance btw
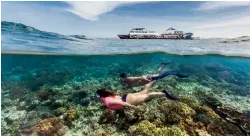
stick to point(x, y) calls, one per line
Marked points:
point(61, 110)
point(145, 128)
point(235, 117)
point(44, 94)
point(108, 116)
point(221, 127)
point(174, 111)
point(70, 115)
point(50, 127)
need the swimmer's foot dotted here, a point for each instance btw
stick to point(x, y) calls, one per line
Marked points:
point(170, 96)
point(166, 63)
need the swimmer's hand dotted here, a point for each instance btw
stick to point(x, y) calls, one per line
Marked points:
point(130, 106)
point(134, 107)
point(147, 77)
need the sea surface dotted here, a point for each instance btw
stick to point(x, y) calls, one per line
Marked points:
point(47, 75)
point(19, 37)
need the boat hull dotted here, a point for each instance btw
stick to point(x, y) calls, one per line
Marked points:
point(123, 36)
point(175, 37)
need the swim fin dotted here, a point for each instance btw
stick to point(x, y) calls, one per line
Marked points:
point(170, 96)
point(181, 76)
point(166, 63)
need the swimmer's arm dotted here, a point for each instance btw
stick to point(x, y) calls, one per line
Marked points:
point(135, 78)
point(129, 105)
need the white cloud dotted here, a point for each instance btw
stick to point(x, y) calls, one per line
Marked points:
point(233, 23)
point(90, 10)
point(215, 5)
point(224, 25)
point(241, 21)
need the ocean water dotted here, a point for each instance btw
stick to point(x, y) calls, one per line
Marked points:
point(38, 87)
point(19, 37)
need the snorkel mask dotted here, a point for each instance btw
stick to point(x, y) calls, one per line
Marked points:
point(97, 97)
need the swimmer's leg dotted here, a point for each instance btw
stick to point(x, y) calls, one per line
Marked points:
point(147, 87)
point(158, 71)
point(152, 95)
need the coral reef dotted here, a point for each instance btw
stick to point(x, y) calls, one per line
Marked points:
point(14, 89)
point(44, 94)
point(28, 125)
point(221, 127)
point(235, 117)
point(189, 116)
point(70, 115)
point(225, 75)
point(46, 77)
point(11, 120)
point(108, 116)
point(57, 97)
point(145, 128)
point(50, 127)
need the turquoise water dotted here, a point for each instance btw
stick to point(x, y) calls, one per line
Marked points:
point(36, 89)
point(74, 80)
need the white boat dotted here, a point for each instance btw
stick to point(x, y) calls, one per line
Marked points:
point(142, 33)
point(172, 33)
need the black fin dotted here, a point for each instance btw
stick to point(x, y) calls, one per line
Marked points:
point(170, 96)
point(181, 76)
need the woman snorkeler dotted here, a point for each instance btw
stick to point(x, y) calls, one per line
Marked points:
point(116, 102)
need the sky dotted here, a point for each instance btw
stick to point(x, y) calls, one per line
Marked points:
point(109, 18)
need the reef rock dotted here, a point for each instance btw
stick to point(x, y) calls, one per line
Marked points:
point(235, 117)
point(13, 114)
point(221, 127)
point(11, 120)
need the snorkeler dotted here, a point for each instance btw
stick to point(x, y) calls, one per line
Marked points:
point(116, 102)
point(145, 79)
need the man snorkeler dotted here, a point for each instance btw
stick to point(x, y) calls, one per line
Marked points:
point(145, 79)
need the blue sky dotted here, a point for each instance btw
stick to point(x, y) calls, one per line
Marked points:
point(107, 19)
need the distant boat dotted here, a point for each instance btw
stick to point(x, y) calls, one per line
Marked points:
point(142, 33)
point(79, 36)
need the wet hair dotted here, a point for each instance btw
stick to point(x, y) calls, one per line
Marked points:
point(104, 93)
point(123, 75)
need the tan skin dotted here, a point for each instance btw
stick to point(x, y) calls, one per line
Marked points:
point(138, 98)
point(142, 80)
